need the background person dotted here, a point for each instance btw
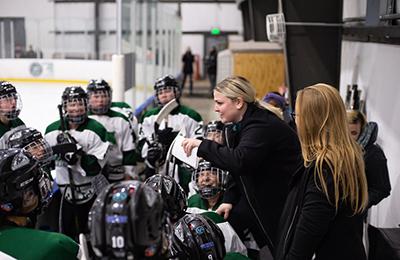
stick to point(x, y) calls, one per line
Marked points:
point(212, 67)
point(322, 218)
point(262, 153)
point(187, 69)
point(376, 171)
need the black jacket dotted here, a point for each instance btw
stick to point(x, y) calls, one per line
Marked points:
point(262, 154)
point(188, 60)
point(376, 169)
point(311, 225)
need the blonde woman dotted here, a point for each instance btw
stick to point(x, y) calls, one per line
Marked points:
point(261, 154)
point(323, 212)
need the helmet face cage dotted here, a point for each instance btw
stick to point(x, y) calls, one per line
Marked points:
point(214, 131)
point(167, 82)
point(32, 142)
point(40, 150)
point(209, 190)
point(173, 195)
point(10, 105)
point(126, 221)
point(99, 89)
point(72, 99)
point(197, 237)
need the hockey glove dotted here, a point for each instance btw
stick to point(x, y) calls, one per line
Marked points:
point(65, 138)
point(155, 154)
point(166, 136)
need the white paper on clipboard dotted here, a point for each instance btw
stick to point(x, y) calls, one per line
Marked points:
point(178, 152)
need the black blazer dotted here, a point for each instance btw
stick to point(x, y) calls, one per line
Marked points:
point(262, 154)
point(311, 225)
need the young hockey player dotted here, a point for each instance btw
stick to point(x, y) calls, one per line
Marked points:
point(156, 139)
point(32, 141)
point(24, 191)
point(126, 222)
point(76, 171)
point(209, 182)
point(10, 107)
point(197, 237)
point(214, 131)
point(175, 205)
point(121, 158)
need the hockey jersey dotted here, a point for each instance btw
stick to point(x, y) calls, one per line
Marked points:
point(7, 130)
point(25, 243)
point(95, 142)
point(182, 118)
point(126, 110)
point(123, 152)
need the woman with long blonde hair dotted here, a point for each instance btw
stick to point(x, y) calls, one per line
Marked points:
point(323, 212)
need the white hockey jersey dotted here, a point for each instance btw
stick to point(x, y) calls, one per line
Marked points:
point(181, 118)
point(123, 152)
point(95, 142)
point(126, 110)
point(7, 130)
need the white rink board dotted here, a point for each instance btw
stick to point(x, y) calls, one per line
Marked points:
point(39, 103)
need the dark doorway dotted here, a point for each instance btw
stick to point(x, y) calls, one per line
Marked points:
point(12, 37)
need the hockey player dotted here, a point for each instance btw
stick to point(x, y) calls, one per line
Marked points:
point(10, 107)
point(175, 205)
point(121, 159)
point(32, 141)
point(197, 237)
point(76, 171)
point(214, 131)
point(210, 184)
point(181, 118)
point(126, 222)
point(24, 192)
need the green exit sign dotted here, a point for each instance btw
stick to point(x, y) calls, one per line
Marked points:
point(215, 31)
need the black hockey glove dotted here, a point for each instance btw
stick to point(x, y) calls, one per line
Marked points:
point(72, 158)
point(65, 138)
point(154, 154)
point(166, 136)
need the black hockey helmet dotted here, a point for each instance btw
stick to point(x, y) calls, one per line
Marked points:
point(32, 141)
point(75, 94)
point(214, 129)
point(99, 86)
point(209, 190)
point(21, 179)
point(125, 222)
point(8, 93)
point(167, 82)
point(197, 237)
point(174, 197)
